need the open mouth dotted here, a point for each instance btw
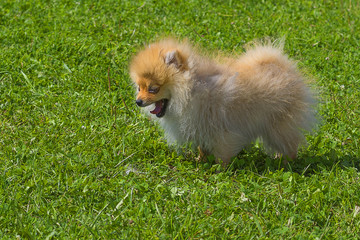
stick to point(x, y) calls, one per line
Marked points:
point(160, 108)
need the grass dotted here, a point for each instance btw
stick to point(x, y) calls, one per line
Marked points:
point(78, 161)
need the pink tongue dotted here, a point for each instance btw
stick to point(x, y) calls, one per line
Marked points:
point(158, 107)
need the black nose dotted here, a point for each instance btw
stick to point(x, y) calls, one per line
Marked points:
point(139, 102)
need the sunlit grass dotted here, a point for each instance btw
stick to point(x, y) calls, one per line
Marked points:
point(78, 160)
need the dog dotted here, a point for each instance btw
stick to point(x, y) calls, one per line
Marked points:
point(223, 104)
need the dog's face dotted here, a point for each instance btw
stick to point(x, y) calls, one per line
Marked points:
point(151, 91)
point(153, 71)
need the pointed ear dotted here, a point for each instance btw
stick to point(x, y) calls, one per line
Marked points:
point(173, 57)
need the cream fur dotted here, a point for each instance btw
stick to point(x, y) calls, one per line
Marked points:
point(224, 105)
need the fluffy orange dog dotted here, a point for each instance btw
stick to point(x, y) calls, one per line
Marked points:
point(224, 104)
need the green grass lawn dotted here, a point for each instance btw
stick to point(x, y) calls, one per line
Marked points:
point(79, 161)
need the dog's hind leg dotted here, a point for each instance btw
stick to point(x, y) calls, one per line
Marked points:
point(284, 139)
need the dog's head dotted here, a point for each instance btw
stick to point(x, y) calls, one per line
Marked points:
point(154, 71)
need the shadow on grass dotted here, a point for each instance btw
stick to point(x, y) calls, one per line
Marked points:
point(308, 164)
point(256, 160)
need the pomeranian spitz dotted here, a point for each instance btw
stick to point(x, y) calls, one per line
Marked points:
point(222, 104)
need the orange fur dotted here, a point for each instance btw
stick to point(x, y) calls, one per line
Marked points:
point(225, 104)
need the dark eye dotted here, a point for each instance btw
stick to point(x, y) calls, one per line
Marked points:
point(154, 89)
point(138, 89)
